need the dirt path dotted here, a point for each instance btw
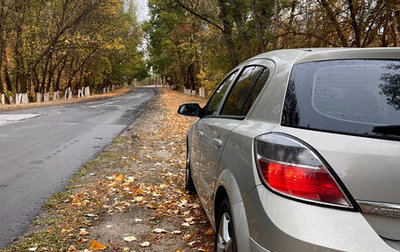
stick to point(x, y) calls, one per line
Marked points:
point(131, 197)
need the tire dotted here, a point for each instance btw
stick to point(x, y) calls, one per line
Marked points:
point(189, 184)
point(225, 239)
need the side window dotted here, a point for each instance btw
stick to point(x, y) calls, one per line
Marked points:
point(216, 98)
point(255, 91)
point(238, 102)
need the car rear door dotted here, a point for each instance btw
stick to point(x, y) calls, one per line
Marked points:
point(210, 112)
point(216, 129)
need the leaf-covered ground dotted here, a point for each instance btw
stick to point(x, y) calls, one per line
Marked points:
point(131, 197)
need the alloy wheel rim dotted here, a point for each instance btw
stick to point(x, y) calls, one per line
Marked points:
point(224, 241)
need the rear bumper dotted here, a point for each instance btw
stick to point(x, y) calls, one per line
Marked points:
point(278, 224)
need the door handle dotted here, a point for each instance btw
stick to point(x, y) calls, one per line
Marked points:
point(217, 142)
point(200, 133)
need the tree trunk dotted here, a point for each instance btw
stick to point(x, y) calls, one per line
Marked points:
point(18, 98)
point(38, 97)
point(258, 26)
point(58, 79)
point(36, 81)
point(391, 15)
point(68, 93)
point(397, 23)
point(24, 98)
point(79, 83)
point(7, 80)
point(21, 75)
point(50, 76)
point(227, 33)
point(276, 24)
point(46, 97)
point(241, 29)
point(191, 77)
point(354, 24)
point(334, 22)
point(1, 77)
point(44, 74)
point(56, 95)
point(59, 73)
point(2, 46)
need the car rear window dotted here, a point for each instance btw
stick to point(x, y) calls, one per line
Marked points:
point(245, 91)
point(345, 96)
point(216, 99)
point(255, 91)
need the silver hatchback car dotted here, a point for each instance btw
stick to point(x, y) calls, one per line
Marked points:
point(299, 150)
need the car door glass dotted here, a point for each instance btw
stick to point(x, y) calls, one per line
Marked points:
point(240, 91)
point(215, 100)
point(255, 91)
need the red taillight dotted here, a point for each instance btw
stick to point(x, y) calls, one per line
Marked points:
point(300, 182)
point(292, 169)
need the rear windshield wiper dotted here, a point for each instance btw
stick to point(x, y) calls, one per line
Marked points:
point(389, 129)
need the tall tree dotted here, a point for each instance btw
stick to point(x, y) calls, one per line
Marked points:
point(50, 45)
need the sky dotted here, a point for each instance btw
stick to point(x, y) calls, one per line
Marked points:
point(142, 10)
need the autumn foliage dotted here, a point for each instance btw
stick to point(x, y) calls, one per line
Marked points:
point(49, 46)
point(194, 43)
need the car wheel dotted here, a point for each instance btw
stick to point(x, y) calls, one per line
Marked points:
point(225, 239)
point(189, 184)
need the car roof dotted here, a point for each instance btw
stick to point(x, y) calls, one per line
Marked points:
point(302, 55)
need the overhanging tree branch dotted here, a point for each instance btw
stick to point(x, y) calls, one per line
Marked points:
point(199, 16)
point(335, 23)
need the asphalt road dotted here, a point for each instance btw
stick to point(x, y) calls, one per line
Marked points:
point(40, 149)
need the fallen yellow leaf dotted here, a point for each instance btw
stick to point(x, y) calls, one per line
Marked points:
point(96, 246)
point(210, 231)
point(130, 238)
point(159, 230)
point(145, 244)
point(82, 240)
point(152, 205)
point(138, 199)
point(83, 232)
point(120, 177)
